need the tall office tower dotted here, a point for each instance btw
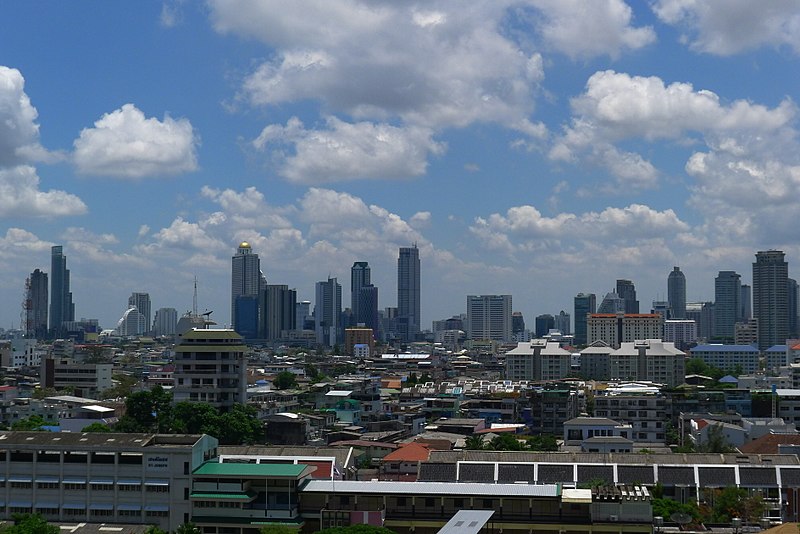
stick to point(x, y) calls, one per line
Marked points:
point(612, 303)
point(132, 323)
point(517, 323)
point(562, 322)
point(408, 293)
point(627, 292)
point(662, 308)
point(543, 323)
point(279, 311)
point(359, 277)
point(770, 298)
point(62, 309)
point(247, 281)
point(327, 313)
point(489, 318)
point(792, 295)
point(142, 303)
point(676, 293)
point(745, 303)
point(702, 313)
point(303, 319)
point(36, 305)
point(368, 308)
point(727, 305)
point(585, 303)
point(165, 322)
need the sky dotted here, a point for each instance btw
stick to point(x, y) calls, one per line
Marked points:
point(537, 148)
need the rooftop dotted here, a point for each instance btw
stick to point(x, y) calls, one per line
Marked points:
point(215, 468)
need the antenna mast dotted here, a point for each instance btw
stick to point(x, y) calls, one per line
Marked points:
point(194, 298)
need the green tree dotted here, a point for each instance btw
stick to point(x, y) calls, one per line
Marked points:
point(152, 529)
point(544, 442)
point(715, 441)
point(505, 442)
point(474, 442)
point(32, 423)
point(30, 524)
point(240, 425)
point(666, 507)
point(147, 411)
point(727, 503)
point(96, 427)
point(285, 380)
point(188, 528)
point(278, 529)
point(196, 418)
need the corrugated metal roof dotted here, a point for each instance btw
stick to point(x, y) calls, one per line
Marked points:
point(725, 348)
point(431, 488)
point(262, 470)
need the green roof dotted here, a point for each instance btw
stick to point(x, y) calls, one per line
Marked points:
point(297, 523)
point(246, 470)
point(232, 496)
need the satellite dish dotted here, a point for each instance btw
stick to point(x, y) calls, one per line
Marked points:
point(680, 518)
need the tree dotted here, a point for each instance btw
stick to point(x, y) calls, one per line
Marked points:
point(474, 442)
point(715, 441)
point(30, 524)
point(240, 425)
point(152, 529)
point(147, 411)
point(188, 528)
point(96, 427)
point(505, 442)
point(666, 507)
point(544, 442)
point(278, 529)
point(32, 423)
point(285, 380)
point(195, 418)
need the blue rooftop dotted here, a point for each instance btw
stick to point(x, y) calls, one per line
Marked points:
point(776, 348)
point(725, 348)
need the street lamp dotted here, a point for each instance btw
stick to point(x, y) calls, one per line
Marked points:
point(736, 523)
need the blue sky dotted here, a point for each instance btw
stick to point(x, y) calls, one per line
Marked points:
point(539, 148)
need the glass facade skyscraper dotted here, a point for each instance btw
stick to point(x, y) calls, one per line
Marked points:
point(408, 293)
point(62, 309)
point(770, 298)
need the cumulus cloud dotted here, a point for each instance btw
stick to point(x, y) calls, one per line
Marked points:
point(125, 144)
point(246, 209)
point(349, 151)
point(583, 29)
point(617, 106)
point(20, 196)
point(727, 27)
point(19, 132)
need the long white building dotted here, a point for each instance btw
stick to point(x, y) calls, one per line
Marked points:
point(619, 328)
point(489, 318)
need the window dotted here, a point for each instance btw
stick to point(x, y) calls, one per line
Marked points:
point(47, 485)
point(401, 501)
point(430, 502)
point(130, 513)
point(102, 487)
point(21, 485)
point(157, 489)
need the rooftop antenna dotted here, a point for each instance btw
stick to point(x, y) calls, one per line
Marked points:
point(194, 298)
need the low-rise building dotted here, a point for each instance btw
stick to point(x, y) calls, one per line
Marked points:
point(742, 359)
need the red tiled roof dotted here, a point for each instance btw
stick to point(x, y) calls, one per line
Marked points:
point(410, 452)
point(768, 444)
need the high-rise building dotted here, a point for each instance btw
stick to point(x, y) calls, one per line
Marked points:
point(543, 323)
point(368, 308)
point(327, 313)
point(359, 277)
point(746, 303)
point(770, 298)
point(36, 305)
point(676, 293)
point(517, 323)
point(247, 281)
point(727, 292)
point(702, 313)
point(408, 293)
point(489, 318)
point(279, 311)
point(585, 303)
point(141, 301)
point(622, 328)
point(132, 323)
point(792, 295)
point(562, 323)
point(627, 292)
point(165, 322)
point(303, 318)
point(612, 303)
point(62, 308)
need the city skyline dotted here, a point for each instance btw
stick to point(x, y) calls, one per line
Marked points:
point(538, 149)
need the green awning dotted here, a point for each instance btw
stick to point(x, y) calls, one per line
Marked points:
point(228, 496)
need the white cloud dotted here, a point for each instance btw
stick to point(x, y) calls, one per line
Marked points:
point(20, 196)
point(348, 151)
point(421, 219)
point(125, 144)
point(617, 107)
point(19, 132)
point(727, 27)
point(582, 29)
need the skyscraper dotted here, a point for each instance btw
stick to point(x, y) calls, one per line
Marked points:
point(676, 293)
point(368, 308)
point(246, 281)
point(359, 277)
point(62, 309)
point(746, 303)
point(585, 303)
point(408, 293)
point(141, 301)
point(517, 324)
point(727, 292)
point(327, 312)
point(543, 323)
point(165, 322)
point(770, 298)
point(36, 305)
point(792, 295)
point(627, 292)
point(489, 317)
point(279, 311)
point(562, 323)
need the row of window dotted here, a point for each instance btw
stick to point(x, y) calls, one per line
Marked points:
point(81, 486)
point(81, 512)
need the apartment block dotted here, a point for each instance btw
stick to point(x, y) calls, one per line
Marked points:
point(615, 329)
